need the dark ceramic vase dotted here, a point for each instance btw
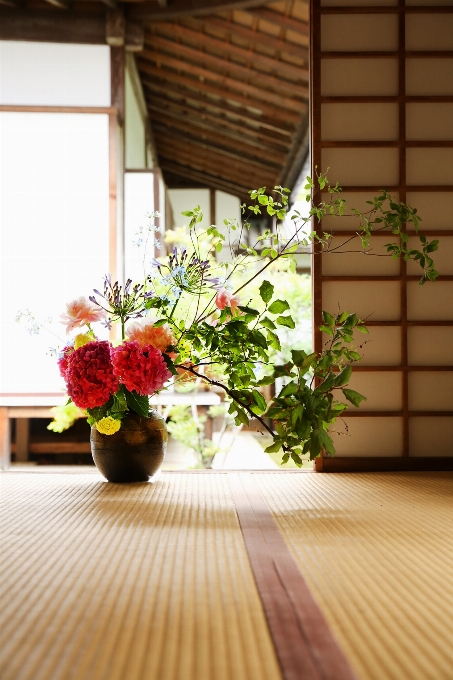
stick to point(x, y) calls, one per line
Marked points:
point(134, 453)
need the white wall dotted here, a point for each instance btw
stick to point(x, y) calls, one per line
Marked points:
point(135, 141)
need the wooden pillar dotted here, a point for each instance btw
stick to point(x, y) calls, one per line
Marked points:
point(22, 439)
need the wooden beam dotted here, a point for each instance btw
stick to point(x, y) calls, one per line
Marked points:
point(166, 77)
point(254, 123)
point(258, 93)
point(256, 58)
point(184, 8)
point(218, 129)
point(11, 3)
point(55, 26)
point(277, 19)
point(229, 153)
point(255, 37)
point(115, 28)
point(117, 74)
point(22, 439)
point(254, 136)
point(186, 52)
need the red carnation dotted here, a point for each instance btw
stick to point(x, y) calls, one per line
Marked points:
point(142, 369)
point(63, 360)
point(89, 375)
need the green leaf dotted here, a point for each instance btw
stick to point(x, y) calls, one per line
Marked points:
point(266, 291)
point(259, 401)
point(286, 321)
point(326, 329)
point(298, 357)
point(362, 329)
point(274, 340)
point(278, 307)
point(138, 403)
point(328, 318)
point(267, 380)
point(273, 448)
point(354, 397)
point(289, 389)
point(249, 310)
point(263, 200)
point(327, 384)
point(327, 442)
point(170, 364)
point(343, 377)
point(267, 323)
point(241, 417)
point(161, 322)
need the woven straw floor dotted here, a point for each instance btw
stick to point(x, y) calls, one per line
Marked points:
point(377, 553)
point(135, 582)
point(153, 581)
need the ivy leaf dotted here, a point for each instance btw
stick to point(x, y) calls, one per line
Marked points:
point(353, 396)
point(266, 291)
point(286, 321)
point(278, 307)
point(138, 403)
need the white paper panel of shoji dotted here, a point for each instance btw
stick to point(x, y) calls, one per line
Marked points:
point(138, 204)
point(429, 121)
point(359, 32)
point(431, 436)
point(381, 346)
point(383, 390)
point(431, 302)
point(375, 261)
point(429, 32)
point(374, 299)
point(431, 77)
point(54, 74)
point(430, 345)
point(348, 221)
point(443, 258)
point(54, 227)
point(435, 208)
point(352, 77)
point(362, 167)
point(431, 391)
point(380, 437)
point(429, 166)
point(359, 122)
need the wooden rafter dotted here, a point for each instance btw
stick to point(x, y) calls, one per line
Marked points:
point(226, 81)
point(255, 125)
point(277, 19)
point(254, 37)
point(199, 142)
point(218, 125)
point(61, 4)
point(165, 76)
point(232, 68)
point(256, 58)
point(205, 179)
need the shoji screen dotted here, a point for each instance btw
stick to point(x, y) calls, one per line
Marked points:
point(382, 117)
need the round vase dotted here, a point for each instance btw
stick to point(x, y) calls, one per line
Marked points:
point(134, 453)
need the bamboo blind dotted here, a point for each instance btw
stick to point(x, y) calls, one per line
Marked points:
point(382, 118)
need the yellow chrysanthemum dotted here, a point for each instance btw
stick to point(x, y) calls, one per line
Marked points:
point(82, 339)
point(108, 425)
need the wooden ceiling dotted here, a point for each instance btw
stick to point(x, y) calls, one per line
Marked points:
point(225, 81)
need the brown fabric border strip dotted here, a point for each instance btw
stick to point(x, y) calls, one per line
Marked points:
point(305, 646)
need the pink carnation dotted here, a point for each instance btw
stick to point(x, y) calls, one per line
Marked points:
point(225, 298)
point(141, 369)
point(89, 375)
point(80, 312)
point(145, 333)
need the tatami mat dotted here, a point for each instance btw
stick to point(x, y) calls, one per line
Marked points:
point(377, 552)
point(135, 582)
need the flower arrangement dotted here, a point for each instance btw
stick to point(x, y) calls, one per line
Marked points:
point(189, 316)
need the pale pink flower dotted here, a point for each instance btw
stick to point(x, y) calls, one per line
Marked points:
point(145, 333)
point(80, 312)
point(225, 298)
